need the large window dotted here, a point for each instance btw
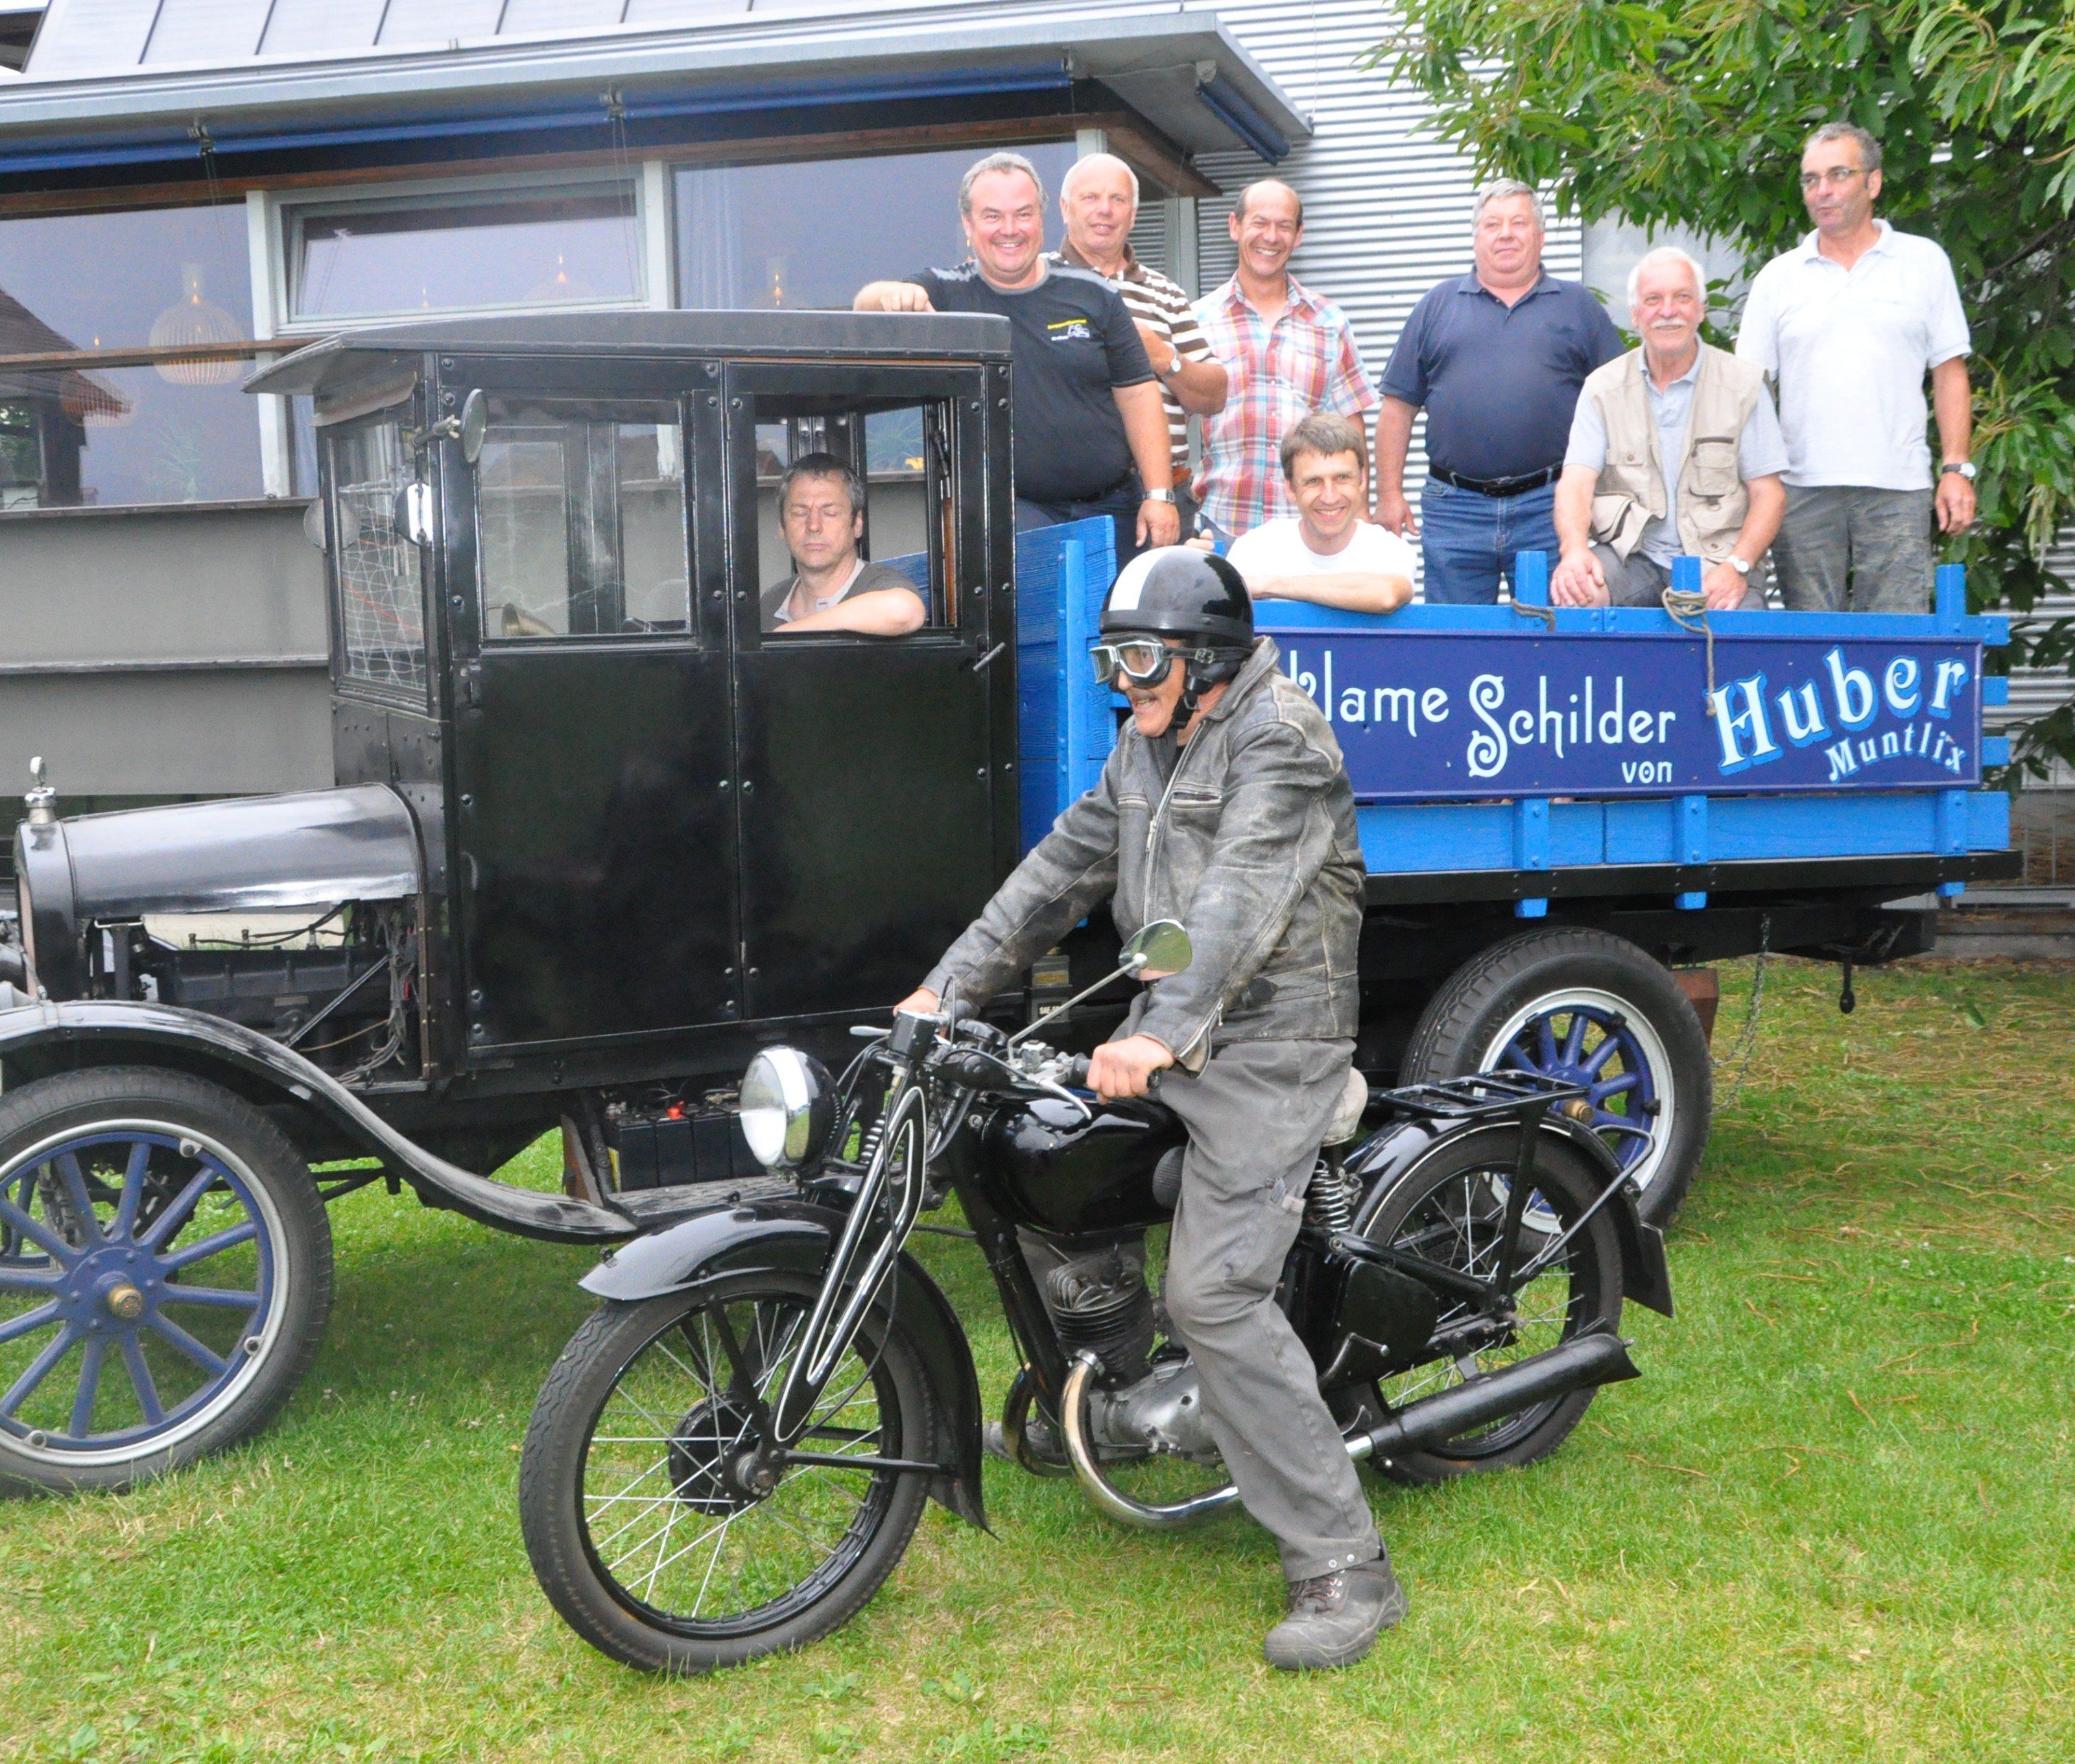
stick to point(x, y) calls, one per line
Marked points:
point(123, 337)
point(812, 233)
point(466, 250)
point(581, 520)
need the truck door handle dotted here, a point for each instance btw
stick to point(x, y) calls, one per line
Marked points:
point(981, 665)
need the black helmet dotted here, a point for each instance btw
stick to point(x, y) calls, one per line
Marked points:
point(1178, 591)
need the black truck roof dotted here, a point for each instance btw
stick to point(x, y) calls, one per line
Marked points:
point(921, 337)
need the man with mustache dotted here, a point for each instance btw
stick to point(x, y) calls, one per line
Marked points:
point(1848, 323)
point(1674, 451)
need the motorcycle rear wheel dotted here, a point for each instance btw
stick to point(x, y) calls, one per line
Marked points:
point(1448, 1209)
point(643, 1538)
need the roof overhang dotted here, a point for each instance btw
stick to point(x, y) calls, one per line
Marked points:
point(1181, 71)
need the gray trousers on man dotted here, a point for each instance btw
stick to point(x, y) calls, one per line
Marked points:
point(1637, 581)
point(1255, 1114)
point(1841, 549)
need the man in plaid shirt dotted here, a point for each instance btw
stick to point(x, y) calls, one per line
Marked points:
point(1287, 353)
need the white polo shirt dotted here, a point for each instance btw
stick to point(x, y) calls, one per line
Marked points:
point(1848, 350)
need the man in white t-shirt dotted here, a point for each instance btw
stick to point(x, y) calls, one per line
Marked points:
point(1848, 323)
point(1328, 552)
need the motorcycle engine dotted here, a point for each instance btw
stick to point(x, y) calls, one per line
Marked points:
point(1161, 1413)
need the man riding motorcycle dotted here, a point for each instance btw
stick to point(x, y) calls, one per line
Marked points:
point(1225, 804)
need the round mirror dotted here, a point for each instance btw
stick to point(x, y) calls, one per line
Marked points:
point(474, 424)
point(313, 524)
point(1163, 946)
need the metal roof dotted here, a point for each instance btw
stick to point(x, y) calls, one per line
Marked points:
point(929, 336)
point(111, 81)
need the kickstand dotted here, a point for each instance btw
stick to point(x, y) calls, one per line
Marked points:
point(1848, 1000)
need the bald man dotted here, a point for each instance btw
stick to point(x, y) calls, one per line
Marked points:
point(1099, 198)
point(1287, 353)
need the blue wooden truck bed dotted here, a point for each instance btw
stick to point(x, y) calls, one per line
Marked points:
point(1524, 754)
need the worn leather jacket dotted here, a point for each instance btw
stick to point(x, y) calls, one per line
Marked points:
point(1245, 833)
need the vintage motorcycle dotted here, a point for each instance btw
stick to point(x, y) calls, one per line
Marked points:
point(732, 1452)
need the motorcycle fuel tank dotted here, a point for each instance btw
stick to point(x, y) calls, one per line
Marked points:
point(1077, 1172)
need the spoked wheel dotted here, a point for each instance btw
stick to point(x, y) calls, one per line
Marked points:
point(661, 1520)
point(1594, 1010)
point(165, 1273)
point(1450, 1210)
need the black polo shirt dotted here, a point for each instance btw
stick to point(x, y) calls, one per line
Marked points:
point(1072, 344)
point(1499, 384)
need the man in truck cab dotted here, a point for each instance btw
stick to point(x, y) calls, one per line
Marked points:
point(821, 511)
point(1225, 804)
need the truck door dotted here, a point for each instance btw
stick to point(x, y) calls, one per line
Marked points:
point(594, 742)
point(866, 780)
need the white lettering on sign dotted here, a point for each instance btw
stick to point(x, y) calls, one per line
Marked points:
point(1379, 707)
point(1592, 716)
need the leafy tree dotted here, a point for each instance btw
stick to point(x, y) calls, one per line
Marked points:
point(1694, 112)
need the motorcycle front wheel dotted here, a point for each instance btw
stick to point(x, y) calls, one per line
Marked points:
point(658, 1529)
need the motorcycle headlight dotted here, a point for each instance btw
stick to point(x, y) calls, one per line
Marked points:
point(788, 1106)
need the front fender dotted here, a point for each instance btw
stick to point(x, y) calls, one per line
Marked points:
point(798, 1238)
point(1389, 1154)
point(107, 1032)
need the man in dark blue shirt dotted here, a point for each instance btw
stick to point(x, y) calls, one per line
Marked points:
point(1496, 357)
point(1087, 428)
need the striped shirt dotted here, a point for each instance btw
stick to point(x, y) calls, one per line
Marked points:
point(1278, 374)
point(1151, 298)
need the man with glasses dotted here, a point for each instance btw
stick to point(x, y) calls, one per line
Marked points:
point(1224, 803)
point(1848, 323)
point(1287, 352)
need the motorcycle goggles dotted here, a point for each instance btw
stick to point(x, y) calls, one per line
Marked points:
point(1142, 660)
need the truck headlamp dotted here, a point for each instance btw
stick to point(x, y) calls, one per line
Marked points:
point(788, 1106)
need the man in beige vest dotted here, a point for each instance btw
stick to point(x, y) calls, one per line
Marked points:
point(1674, 449)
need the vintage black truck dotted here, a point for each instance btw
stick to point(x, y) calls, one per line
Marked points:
point(597, 837)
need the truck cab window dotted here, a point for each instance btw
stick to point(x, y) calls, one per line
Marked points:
point(377, 577)
point(850, 520)
point(581, 520)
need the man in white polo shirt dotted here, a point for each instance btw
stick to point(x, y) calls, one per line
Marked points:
point(1848, 323)
point(1328, 552)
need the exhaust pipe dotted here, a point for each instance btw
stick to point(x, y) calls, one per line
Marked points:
point(1584, 1360)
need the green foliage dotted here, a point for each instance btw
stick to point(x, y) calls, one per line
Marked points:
point(1693, 112)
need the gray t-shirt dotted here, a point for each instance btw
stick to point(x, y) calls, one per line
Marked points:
point(869, 579)
point(1761, 449)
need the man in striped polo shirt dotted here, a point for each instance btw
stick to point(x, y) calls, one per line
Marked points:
point(1099, 197)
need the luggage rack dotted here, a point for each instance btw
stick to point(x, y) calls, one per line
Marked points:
point(1520, 1097)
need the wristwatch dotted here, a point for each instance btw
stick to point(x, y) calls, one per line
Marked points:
point(1160, 495)
point(1737, 564)
point(1174, 365)
point(1963, 467)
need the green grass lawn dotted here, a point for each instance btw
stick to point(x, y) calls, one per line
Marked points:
point(1832, 1521)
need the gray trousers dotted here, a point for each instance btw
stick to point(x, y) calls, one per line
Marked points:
point(1637, 581)
point(1255, 1114)
point(1841, 549)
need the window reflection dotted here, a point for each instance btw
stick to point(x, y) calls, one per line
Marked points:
point(570, 246)
point(75, 436)
point(381, 596)
point(581, 520)
point(128, 280)
point(812, 233)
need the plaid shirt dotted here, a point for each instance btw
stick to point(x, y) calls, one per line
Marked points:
point(1278, 374)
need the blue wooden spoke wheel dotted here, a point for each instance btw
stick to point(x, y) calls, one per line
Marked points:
point(1595, 1010)
point(165, 1270)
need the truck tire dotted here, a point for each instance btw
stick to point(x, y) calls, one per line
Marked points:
point(1591, 1008)
point(165, 1274)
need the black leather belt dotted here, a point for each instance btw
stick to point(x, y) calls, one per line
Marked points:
point(1499, 487)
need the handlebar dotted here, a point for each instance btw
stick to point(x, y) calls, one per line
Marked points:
point(1076, 1074)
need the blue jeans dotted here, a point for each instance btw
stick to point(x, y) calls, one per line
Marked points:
point(1468, 540)
point(1120, 505)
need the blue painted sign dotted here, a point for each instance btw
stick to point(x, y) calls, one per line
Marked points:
point(1421, 715)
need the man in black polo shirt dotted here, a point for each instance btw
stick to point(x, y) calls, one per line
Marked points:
point(1087, 428)
point(1497, 357)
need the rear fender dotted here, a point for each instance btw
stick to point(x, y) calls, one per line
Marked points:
point(84, 1033)
point(798, 1239)
point(1390, 1155)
